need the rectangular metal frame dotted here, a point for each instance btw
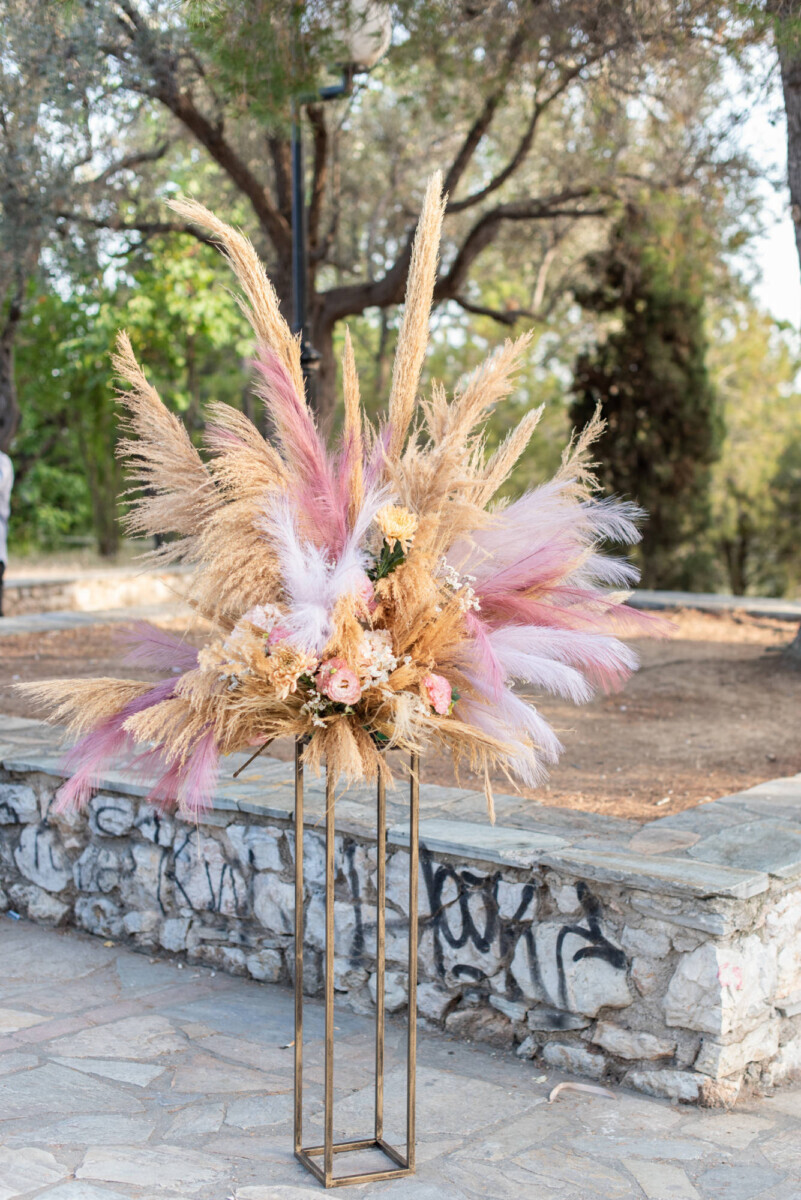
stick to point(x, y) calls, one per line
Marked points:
point(404, 1164)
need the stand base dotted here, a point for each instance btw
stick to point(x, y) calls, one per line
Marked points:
point(306, 1156)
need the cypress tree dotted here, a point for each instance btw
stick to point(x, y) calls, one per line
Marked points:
point(664, 428)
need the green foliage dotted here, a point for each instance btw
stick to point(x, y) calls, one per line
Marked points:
point(190, 333)
point(756, 483)
point(388, 561)
point(650, 374)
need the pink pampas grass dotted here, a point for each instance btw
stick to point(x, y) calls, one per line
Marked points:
point(322, 494)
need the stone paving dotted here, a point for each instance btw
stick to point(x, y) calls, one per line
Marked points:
point(124, 1076)
point(48, 622)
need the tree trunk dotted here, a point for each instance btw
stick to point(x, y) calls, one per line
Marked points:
point(324, 386)
point(9, 408)
point(793, 651)
point(736, 553)
point(788, 46)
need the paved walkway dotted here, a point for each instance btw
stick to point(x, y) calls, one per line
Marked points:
point(48, 622)
point(122, 1076)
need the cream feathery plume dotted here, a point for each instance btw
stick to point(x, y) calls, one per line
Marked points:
point(452, 467)
point(353, 429)
point(486, 386)
point(503, 461)
point(243, 463)
point(176, 491)
point(577, 465)
point(82, 704)
point(262, 310)
point(413, 336)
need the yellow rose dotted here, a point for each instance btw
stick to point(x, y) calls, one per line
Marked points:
point(397, 525)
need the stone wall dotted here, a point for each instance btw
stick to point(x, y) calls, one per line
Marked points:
point(118, 587)
point(681, 983)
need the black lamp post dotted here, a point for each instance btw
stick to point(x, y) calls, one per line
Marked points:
point(366, 40)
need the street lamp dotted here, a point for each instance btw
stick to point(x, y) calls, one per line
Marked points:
point(366, 39)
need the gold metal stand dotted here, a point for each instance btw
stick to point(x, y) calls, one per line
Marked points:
point(403, 1164)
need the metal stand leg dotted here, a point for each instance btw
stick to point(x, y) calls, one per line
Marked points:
point(298, 946)
point(411, 1047)
point(403, 1164)
point(380, 952)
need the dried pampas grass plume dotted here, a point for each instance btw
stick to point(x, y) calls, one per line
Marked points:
point(261, 309)
point(413, 336)
point(354, 450)
point(172, 488)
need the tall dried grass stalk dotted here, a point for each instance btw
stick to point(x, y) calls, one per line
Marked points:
point(261, 306)
point(353, 429)
point(413, 335)
point(172, 490)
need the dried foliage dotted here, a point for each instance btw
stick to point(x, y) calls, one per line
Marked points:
point(365, 597)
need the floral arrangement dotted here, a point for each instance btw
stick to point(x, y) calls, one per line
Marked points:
point(362, 598)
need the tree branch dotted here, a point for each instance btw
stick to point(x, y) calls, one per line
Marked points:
point(527, 139)
point(504, 316)
point(165, 87)
point(115, 224)
point(567, 203)
point(282, 167)
point(350, 299)
point(485, 117)
point(130, 160)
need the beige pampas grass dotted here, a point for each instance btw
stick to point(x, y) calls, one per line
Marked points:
point(82, 704)
point(505, 458)
point(353, 427)
point(173, 490)
point(261, 309)
point(413, 336)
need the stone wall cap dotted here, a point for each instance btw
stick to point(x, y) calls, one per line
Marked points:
point(759, 845)
point(45, 764)
point(680, 876)
point(487, 843)
point(756, 606)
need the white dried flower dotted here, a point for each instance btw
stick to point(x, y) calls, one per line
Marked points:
point(460, 585)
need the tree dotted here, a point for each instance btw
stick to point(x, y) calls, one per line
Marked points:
point(510, 99)
point(650, 375)
point(754, 519)
point(68, 137)
point(785, 17)
point(181, 318)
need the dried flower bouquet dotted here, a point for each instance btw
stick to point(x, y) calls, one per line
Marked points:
point(365, 598)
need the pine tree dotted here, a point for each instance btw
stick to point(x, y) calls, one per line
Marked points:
point(664, 428)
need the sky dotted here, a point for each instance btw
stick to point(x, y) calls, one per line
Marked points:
point(774, 254)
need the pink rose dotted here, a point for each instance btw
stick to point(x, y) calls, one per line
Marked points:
point(365, 595)
point(439, 692)
point(338, 681)
point(279, 633)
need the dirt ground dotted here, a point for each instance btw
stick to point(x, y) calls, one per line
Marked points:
point(711, 711)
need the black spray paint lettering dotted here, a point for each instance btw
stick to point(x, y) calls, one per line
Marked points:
point(598, 945)
point(216, 890)
point(481, 936)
